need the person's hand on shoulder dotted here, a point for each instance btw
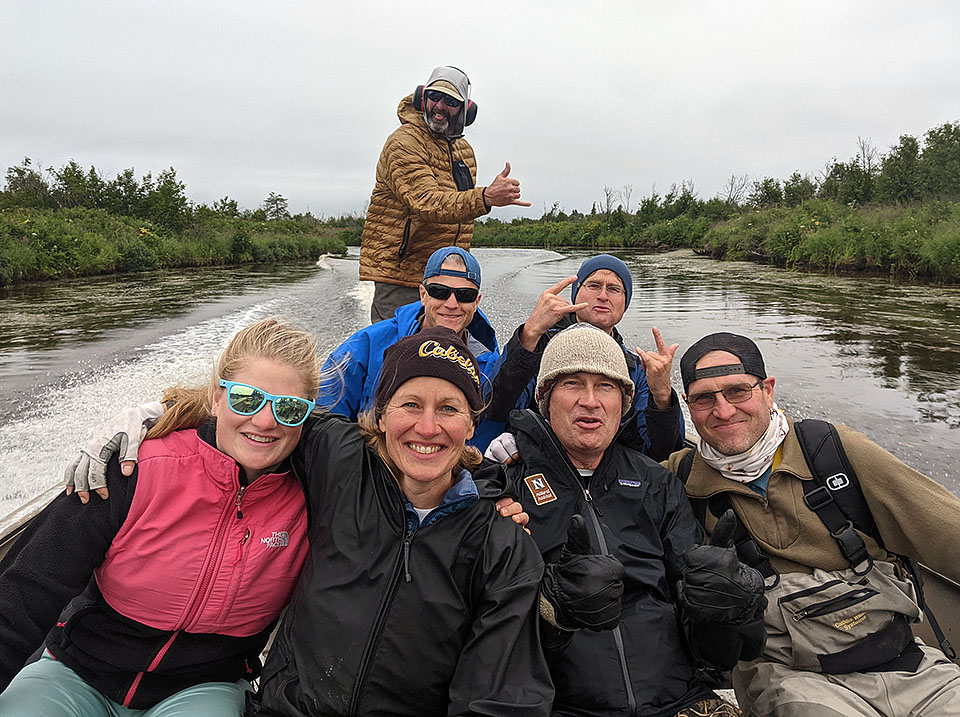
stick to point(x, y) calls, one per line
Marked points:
point(122, 434)
point(508, 507)
point(503, 449)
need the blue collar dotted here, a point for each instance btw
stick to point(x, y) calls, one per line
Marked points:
point(460, 495)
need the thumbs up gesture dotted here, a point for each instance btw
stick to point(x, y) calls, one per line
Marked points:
point(503, 191)
point(716, 586)
point(582, 589)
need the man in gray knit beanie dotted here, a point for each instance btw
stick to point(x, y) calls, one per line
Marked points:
point(582, 348)
point(614, 529)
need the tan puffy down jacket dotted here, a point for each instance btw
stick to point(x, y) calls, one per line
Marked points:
point(415, 207)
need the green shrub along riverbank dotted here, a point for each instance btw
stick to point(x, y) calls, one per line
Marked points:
point(39, 244)
point(895, 213)
point(820, 234)
point(69, 222)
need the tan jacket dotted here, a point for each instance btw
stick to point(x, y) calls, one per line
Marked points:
point(915, 515)
point(415, 207)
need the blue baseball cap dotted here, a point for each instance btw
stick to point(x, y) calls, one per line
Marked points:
point(610, 263)
point(435, 262)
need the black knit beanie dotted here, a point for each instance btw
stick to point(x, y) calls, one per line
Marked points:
point(436, 351)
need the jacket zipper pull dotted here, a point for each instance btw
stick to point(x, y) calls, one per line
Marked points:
point(240, 544)
point(406, 555)
point(236, 502)
point(586, 494)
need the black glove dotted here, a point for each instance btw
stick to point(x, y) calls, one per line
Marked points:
point(716, 587)
point(582, 589)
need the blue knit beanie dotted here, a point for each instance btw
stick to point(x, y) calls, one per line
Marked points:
point(603, 261)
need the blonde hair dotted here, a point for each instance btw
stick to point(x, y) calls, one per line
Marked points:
point(376, 439)
point(267, 339)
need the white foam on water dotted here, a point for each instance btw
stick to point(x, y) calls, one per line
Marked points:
point(61, 418)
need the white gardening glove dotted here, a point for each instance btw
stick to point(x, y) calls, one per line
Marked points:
point(503, 449)
point(122, 434)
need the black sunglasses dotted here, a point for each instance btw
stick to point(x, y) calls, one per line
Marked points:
point(437, 96)
point(442, 292)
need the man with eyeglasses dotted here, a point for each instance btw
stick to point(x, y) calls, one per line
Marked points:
point(600, 295)
point(449, 296)
point(425, 195)
point(837, 618)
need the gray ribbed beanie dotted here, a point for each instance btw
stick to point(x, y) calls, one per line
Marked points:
point(585, 348)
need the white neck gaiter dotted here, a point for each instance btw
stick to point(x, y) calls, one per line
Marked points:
point(751, 464)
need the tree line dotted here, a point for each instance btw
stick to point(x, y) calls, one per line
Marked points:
point(895, 212)
point(161, 199)
point(69, 221)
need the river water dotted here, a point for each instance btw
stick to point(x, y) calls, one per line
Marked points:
point(879, 356)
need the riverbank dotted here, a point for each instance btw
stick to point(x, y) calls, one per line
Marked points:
point(921, 241)
point(43, 244)
point(918, 241)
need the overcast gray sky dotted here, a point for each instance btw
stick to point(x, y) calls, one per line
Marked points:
point(244, 98)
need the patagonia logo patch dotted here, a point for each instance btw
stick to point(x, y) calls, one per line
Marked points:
point(838, 482)
point(630, 483)
point(540, 489)
point(279, 539)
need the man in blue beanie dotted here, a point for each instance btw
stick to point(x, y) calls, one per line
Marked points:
point(600, 295)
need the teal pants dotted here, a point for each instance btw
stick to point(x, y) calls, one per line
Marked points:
point(48, 688)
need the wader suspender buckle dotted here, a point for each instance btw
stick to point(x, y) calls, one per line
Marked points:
point(821, 502)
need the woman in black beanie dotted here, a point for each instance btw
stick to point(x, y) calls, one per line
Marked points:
point(416, 599)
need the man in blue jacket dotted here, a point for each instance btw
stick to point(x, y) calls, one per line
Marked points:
point(603, 288)
point(449, 296)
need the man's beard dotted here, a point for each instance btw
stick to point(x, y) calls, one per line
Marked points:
point(441, 128)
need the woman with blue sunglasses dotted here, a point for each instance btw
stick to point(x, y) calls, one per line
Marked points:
point(192, 558)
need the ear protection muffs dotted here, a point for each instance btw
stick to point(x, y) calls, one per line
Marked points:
point(470, 117)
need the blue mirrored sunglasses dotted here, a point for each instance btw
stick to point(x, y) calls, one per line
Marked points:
point(247, 400)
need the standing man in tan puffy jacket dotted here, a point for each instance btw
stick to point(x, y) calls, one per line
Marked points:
point(425, 195)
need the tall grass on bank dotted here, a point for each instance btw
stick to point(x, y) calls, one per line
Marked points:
point(917, 241)
point(921, 240)
point(38, 244)
point(620, 230)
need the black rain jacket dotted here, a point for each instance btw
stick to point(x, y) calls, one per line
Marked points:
point(638, 512)
point(390, 620)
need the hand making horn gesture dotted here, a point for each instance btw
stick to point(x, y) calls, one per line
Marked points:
point(550, 308)
point(504, 191)
point(657, 367)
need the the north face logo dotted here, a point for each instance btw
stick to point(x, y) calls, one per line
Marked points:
point(838, 482)
point(279, 539)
